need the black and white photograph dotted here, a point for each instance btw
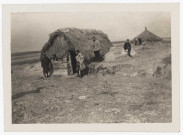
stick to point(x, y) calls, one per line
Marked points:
point(91, 67)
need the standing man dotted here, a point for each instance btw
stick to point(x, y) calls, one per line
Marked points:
point(127, 46)
point(80, 66)
point(46, 64)
point(136, 41)
point(96, 48)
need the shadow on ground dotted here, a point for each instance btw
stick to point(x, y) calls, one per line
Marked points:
point(21, 94)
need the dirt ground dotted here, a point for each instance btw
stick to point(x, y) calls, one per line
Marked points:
point(125, 90)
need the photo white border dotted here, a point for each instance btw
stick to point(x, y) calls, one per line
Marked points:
point(155, 127)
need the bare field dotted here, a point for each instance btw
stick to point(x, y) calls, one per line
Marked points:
point(125, 90)
point(25, 57)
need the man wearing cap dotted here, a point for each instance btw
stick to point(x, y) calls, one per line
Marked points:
point(96, 48)
point(46, 63)
point(127, 46)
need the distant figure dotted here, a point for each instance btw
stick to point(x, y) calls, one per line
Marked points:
point(144, 43)
point(46, 64)
point(96, 48)
point(127, 46)
point(80, 66)
point(136, 41)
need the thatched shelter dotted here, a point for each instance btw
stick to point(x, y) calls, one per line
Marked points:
point(70, 39)
point(64, 42)
point(146, 35)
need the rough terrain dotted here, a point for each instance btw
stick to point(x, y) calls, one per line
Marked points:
point(121, 90)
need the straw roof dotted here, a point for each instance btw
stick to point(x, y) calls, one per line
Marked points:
point(64, 40)
point(148, 36)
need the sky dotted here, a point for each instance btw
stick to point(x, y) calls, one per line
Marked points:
point(30, 31)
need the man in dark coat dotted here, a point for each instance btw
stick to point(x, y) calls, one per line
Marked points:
point(127, 46)
point(46, 64)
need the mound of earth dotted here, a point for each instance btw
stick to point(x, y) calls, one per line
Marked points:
point(115, 53)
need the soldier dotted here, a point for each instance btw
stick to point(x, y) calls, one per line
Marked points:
point(46, 64)
point(127, 46)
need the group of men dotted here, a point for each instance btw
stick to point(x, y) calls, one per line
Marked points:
point(80, 65)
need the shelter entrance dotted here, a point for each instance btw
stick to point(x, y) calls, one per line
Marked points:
point(140, 41)
point(71, 60)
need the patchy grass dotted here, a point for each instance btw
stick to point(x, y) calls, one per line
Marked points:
point(127, 94)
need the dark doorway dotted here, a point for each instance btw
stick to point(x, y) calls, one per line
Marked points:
point(140, 41)
point(72, 60)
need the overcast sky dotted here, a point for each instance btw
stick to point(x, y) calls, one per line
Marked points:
point(30, 31)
